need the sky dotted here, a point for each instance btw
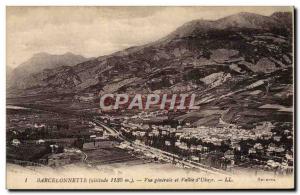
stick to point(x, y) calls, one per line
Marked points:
point(97, 31)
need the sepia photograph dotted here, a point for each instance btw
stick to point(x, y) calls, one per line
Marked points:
point(156, 97)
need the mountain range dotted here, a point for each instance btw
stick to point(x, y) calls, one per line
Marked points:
point(239, 66)
point(41, 62)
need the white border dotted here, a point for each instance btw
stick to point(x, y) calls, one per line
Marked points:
point(155, 2)
point(5, 3)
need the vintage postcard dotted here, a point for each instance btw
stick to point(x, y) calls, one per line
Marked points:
point(149, 97)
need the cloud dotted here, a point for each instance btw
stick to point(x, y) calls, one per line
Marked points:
point(96, 31)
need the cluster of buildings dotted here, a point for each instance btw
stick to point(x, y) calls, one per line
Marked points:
point(228, 144)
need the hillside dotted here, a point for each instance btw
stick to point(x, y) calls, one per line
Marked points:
point(39, 62)
point(235, 65)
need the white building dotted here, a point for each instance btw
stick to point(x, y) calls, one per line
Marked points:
point(15, 142)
